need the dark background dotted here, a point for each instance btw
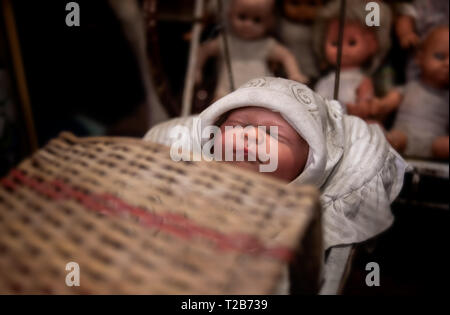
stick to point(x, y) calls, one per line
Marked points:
point(87, 70)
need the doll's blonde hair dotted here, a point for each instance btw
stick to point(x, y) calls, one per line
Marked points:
point(355, 11)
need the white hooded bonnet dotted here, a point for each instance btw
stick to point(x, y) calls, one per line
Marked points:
point(357, 171)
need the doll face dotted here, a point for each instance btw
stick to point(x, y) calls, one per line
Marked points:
point(302, 11)
point(433, 58)
point(292, 148)
point(358, 44)
point(250, 19)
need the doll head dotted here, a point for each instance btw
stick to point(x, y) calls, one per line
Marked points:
point(362, 46)
point(292, 149)
point(301, 11)
point(359, 44)
point(432, 57)
point(251, 19)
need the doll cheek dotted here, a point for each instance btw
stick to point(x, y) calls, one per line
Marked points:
point(331, 49)
point(331, 54)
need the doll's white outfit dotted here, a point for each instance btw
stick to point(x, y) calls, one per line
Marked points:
point(248, 58)
point(422, 116)
point(358, 172)
point(349, 82)
point(298, 38)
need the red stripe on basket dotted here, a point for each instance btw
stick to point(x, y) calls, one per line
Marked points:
point(8, 183)
point(172, 223)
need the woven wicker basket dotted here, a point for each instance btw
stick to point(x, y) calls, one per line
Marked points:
point(137, 222)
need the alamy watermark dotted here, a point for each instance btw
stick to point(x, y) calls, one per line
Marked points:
point(373, 17)
point(373, 277)
point(73, 17)
point(73, 277)
point(257, 144)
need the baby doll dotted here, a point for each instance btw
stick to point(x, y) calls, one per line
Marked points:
point(421, 125)
point(363, 49)
point(250, 46)
point(292, 149)
point(296, 30)
point(414, 21)
point(358, 172)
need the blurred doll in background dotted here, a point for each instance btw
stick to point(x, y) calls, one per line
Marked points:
point(296, 29)
point(414, 21)
point(421, 126)
point(363, 50)
point(250, 46)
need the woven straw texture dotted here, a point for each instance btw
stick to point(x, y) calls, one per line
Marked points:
point(137, 222)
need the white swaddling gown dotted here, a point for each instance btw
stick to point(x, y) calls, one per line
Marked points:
point(357, 171)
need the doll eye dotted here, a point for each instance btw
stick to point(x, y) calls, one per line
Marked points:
point(334, 43)
point(439, 56)
point(352, 42)
point(257, 20)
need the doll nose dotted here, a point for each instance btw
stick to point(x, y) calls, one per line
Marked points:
point(248, 23)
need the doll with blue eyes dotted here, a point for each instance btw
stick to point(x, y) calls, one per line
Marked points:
point(421, 126)
point(250, 45)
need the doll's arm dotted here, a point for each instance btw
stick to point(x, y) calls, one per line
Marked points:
point(282, 55)
point(440, 148)
point(207, 50)
point(365, 91)
point(364, 95)
point(397, 139)
point(405, 29)
point(381, 107)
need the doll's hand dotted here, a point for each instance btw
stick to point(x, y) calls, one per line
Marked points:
point(381, 107)
point(404, 27)
point(409, 40)
point(360, 109)
point(376, 107)
point(365, 92)
point(397, 139)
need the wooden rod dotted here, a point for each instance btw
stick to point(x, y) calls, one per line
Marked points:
point(19, 72)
